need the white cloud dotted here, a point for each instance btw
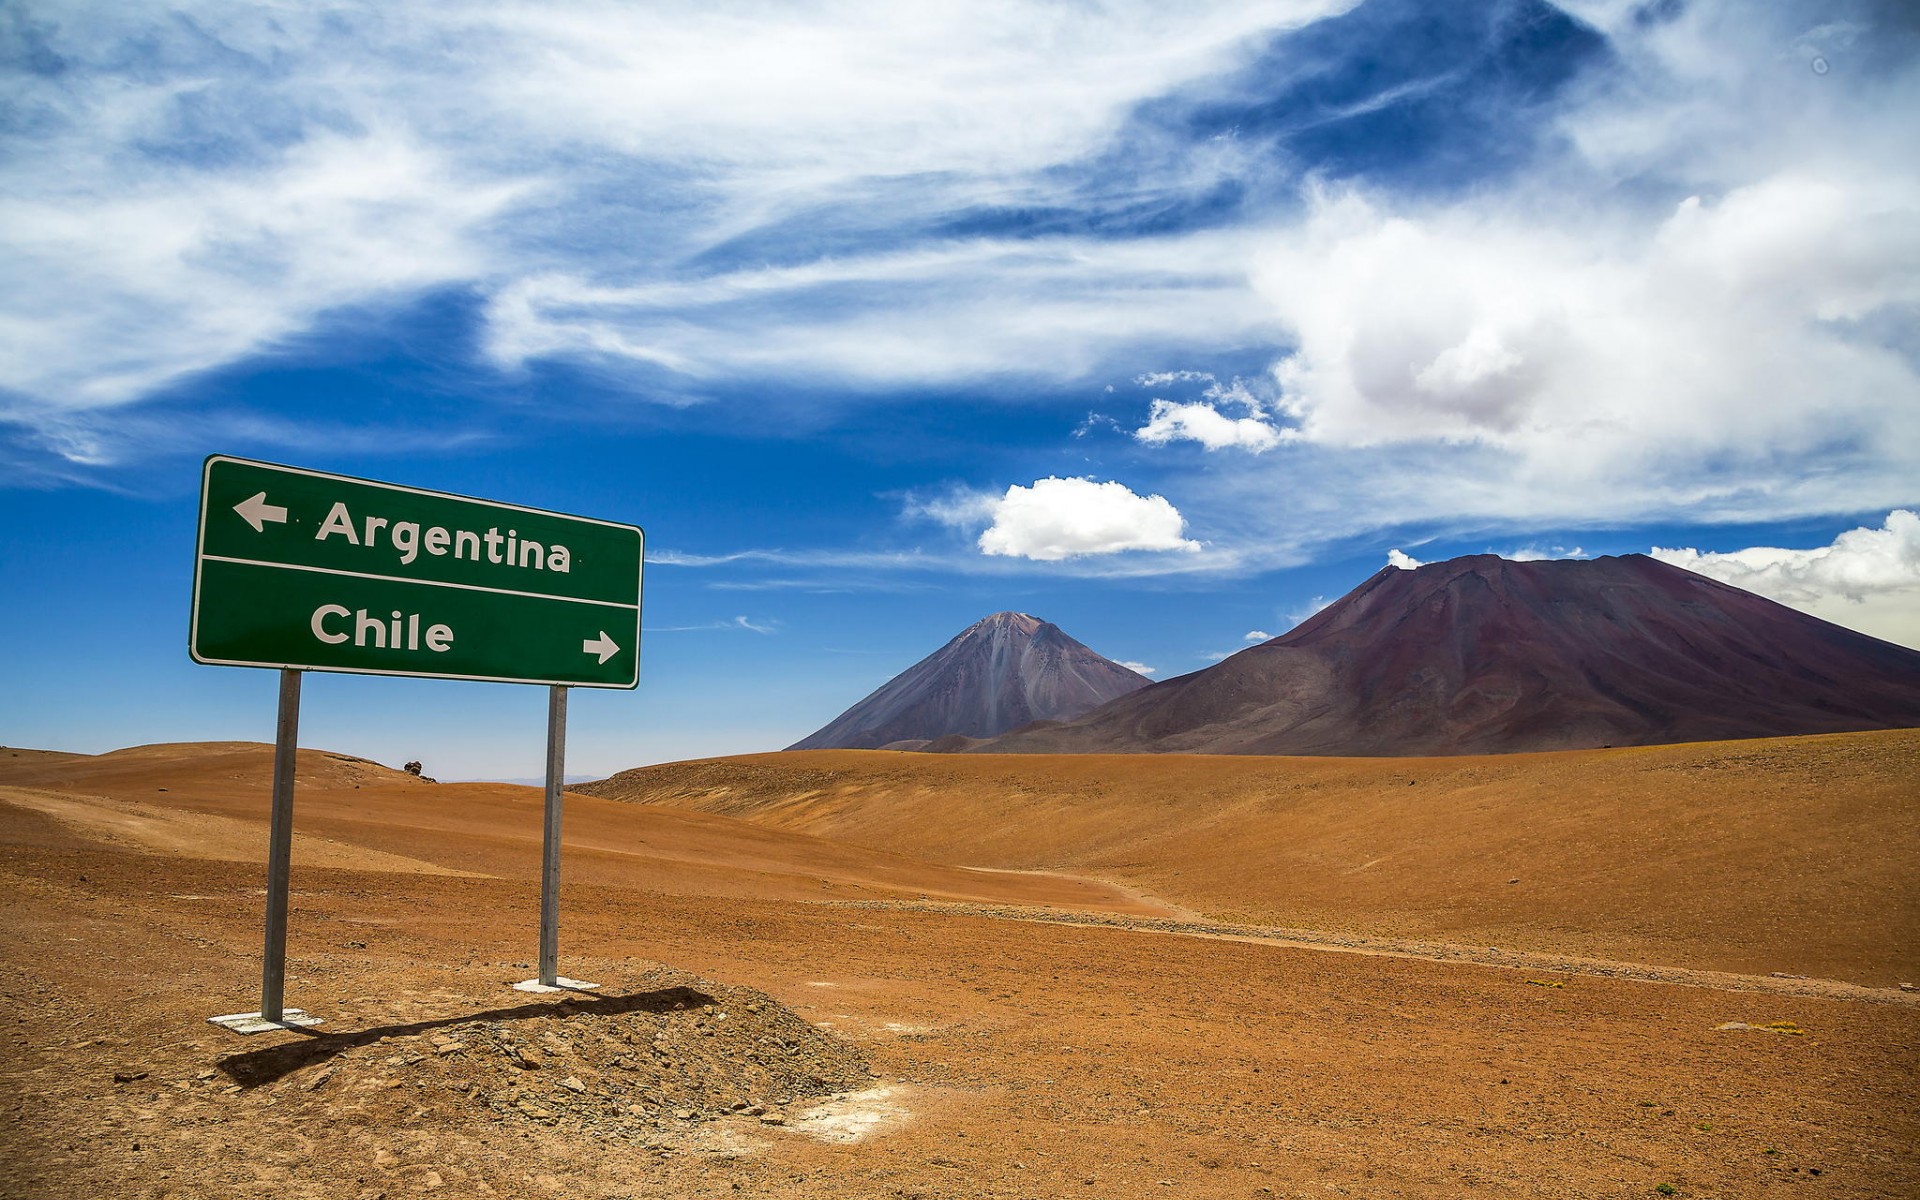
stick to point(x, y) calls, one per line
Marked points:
point(1039, 307)
point(1539, 554)
point(263, 166)
point(1858, 563)
point(1201, 422)
point(1204, 420)
point(1260, 635)
point(143, 280)
point(1068, 518)
point(1867, 579)
point(1312, 606)
point(1402, 560)
point(1602, 360)
point(1141, 668)
point(725, 624)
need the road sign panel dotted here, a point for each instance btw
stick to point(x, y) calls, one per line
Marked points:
point(304, 569)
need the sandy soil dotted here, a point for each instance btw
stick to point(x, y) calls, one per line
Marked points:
point(1785, 854)
point(1011, 1035)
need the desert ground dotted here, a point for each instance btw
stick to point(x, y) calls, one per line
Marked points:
point(1638, 972)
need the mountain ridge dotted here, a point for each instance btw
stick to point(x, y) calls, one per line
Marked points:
point(1485, 655)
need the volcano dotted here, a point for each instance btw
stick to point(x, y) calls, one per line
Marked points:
point(1482, 655)
point(1000, 673)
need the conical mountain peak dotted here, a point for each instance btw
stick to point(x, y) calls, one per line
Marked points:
point(999, 673)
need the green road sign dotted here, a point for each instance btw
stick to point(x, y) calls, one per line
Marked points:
point(321, 572)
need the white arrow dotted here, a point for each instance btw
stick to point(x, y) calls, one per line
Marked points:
point(258, 512)
point(604, 646)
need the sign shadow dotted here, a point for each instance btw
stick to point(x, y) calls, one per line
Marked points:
point(253, 1068)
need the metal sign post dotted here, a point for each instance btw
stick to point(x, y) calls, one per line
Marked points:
point(300, 570)
point(549, 979)
point(273, 967)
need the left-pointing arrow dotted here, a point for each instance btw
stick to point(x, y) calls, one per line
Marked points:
point(258, 512)
point(604, 646)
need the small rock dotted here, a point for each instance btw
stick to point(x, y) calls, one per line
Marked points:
point(572, 1084)
point(314, 1083)
point(1910, 987)
point(773, 1119)
point(685, 1114)
point(128, 1076)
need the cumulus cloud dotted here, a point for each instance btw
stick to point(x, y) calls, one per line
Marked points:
point(1701, 305)
point(1071, 518)
point(1867, 579)
point(1398, 558)
point(1859, 563)
point(1206, 420)
point(1260, 635)
point(1585, 353)
point(1141, 668)
point(1199, 421)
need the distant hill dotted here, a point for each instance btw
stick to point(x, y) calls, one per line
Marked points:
point(1485, 655)
point(998, 674)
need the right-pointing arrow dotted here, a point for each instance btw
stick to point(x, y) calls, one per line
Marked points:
point(604, 646)
point(258, 512)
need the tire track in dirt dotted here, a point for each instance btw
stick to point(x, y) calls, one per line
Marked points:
point(1445, 952)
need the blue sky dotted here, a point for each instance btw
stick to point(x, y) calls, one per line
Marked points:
point(1165, 323)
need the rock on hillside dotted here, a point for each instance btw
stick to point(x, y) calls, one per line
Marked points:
point(998, 674)
point(1483, 655)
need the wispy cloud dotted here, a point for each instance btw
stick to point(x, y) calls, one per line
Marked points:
point(592, 169)
point(1679, 276)
point(725, 625)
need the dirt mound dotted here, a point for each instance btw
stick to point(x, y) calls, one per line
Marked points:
point(675, 1053)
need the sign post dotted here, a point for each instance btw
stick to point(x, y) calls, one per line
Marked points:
point(300, 570)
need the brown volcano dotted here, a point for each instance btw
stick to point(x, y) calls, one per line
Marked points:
point(1482, 655)
point(1000, 673)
